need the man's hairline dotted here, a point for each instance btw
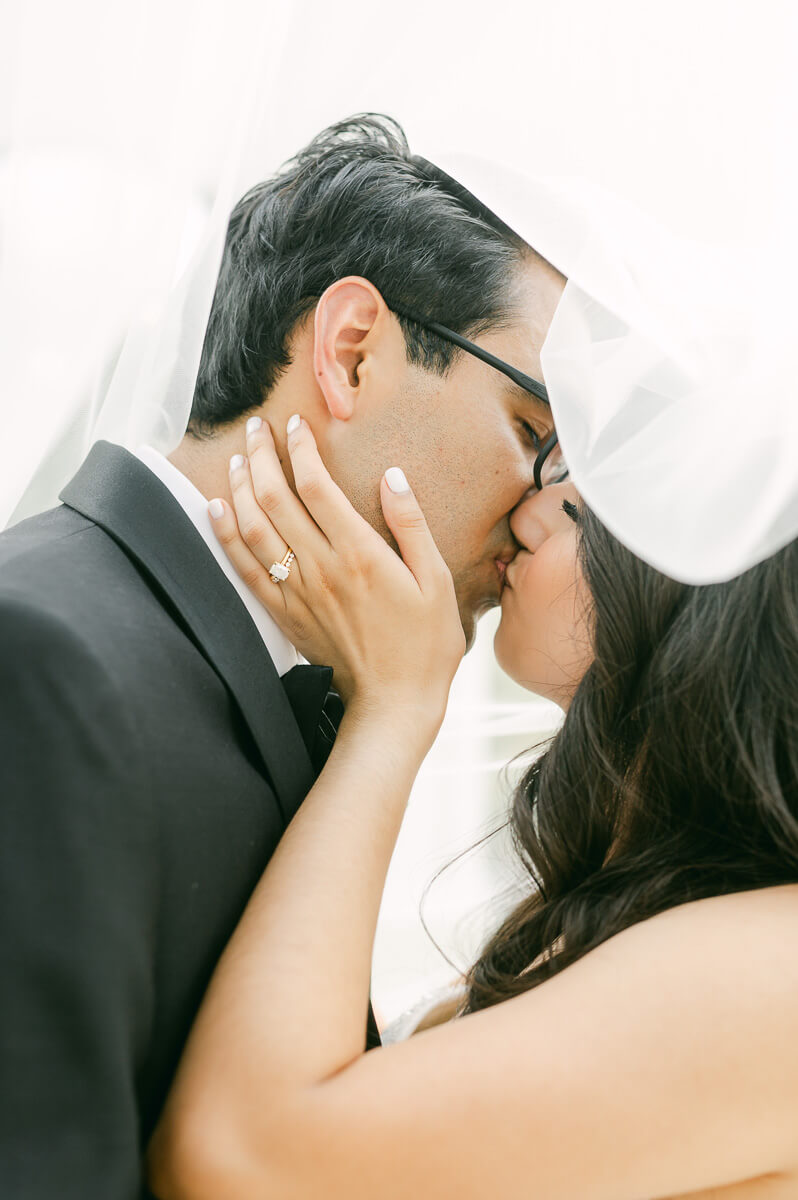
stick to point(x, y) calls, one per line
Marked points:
point(512, 313)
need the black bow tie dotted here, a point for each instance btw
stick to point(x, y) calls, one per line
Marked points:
point(318, 709)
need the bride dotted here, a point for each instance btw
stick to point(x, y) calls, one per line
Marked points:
point(631, 1030)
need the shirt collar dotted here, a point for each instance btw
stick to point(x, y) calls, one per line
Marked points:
point(283, 654)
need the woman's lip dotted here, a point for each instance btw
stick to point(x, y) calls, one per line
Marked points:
point(507, 580)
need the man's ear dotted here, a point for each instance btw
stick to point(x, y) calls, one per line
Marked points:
point(351, 318)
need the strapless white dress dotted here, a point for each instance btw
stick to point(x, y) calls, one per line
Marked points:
point(433, 1008)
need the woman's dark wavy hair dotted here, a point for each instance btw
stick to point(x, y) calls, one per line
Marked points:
point(675, 774)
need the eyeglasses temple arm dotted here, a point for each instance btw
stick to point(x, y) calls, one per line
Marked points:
point(545, 451)
point(525, 381)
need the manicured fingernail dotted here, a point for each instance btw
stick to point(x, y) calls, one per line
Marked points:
point(293, 424)
point(395, 478)
point(237, 461)
point(254, 424)
point(216, 509)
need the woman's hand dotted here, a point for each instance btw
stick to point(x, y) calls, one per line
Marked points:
point(388, 626)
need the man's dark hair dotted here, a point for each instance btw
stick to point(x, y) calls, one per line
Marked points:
point(355, 201)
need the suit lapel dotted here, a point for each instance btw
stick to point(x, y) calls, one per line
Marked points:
point(120, 494)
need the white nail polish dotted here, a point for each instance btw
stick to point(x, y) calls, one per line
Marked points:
point(236, 461)
point(293, 424)
point(254, 424)
point(216, 509)
point(395, 478)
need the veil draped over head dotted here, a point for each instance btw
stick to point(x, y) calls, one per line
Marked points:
point(651, 163)
point(669, 369)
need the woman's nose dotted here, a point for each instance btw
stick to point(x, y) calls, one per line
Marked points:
point(540, 514)
point(526, 522)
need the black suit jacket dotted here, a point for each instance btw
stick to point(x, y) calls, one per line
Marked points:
point(149, 763)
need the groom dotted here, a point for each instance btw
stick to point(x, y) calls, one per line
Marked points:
point(156, 733)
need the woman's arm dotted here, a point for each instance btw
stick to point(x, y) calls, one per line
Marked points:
point(652, 1067)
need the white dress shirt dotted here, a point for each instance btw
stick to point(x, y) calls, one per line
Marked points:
point(195, 506)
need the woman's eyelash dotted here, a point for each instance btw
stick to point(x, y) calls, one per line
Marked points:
point(571, 510)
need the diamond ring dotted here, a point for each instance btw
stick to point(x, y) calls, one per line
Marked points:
point(279, 571)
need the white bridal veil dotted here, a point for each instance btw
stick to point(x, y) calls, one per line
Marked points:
point(647, 152)
point(670, 369)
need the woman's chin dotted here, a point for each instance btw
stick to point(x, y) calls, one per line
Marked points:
point(517, 665)
point(506, 652)
point(499, 643)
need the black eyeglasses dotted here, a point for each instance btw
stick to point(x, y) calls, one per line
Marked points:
point(550, 466)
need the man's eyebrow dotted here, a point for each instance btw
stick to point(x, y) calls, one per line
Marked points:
point(520, 394)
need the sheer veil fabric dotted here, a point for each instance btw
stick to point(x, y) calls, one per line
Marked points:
point(651, 163)
point(668, 365)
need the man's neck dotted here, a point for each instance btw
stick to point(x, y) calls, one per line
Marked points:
point(205, 461)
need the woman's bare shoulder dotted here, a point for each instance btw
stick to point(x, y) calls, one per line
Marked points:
point(763, 921)
point(743, 945)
